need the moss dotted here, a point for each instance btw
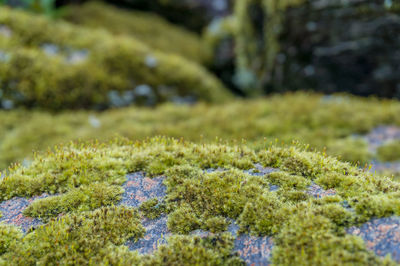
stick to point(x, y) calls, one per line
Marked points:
point(152, 208)
point(264, 215)
point(84, 198)
point(9, 236)
point(389, 152)
point(149, 28)
point(306, 230)
point(285, 117)
point(184, 250)
point(286, 180)
point(322, 246)
point(377, 206)
point(91, 238)
point(54, 63)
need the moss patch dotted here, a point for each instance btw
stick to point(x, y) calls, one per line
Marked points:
point(307, 230)
point(91, 237)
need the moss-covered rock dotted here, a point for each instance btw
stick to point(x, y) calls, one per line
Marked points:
point(56, 65)
point(151, 29)
point(327, 122)
point(205, 185)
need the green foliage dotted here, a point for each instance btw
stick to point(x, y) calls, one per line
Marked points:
point(56, 65)
point(306, 230)
point(151, 29)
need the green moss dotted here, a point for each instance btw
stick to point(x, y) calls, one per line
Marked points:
point(294, 246)
point(90, 238)
point(389, 152)
point(184, 250)
point(152, 208)
point(285, 180)
point(285, 117)
point(35, 78)
point(9, 236)
point(84, 198)
point(306, 230)
point(149, 28)
point(377, 205)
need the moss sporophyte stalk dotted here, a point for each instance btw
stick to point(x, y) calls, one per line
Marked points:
point(86, 180)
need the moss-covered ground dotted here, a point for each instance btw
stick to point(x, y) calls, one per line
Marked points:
point(306, 230)
point(334, 122)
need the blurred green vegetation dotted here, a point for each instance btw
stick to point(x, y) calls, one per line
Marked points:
point(330, 122)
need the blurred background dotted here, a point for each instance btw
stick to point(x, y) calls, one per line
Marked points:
point(324, 74)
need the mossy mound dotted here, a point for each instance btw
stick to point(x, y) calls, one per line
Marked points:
point(333, 122)
point(151, 29)
point(56, 65)
point(305, 229)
